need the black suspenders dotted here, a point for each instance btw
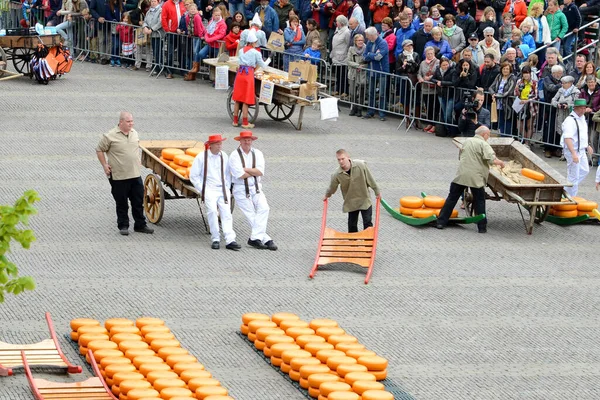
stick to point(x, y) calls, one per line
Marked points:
point(246, 179)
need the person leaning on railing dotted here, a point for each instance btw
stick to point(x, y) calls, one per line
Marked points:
point(428, 91)
point(357, 76)
point(502, 91)
point(551, 85)
point(153, 26)
point(443, 77)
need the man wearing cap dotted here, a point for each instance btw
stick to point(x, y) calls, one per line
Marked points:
point(476, 55)
point(122, 145)
point(255, 26)
point(576, 147)
point(355, 179)
point(210, 176)
point(247, 167)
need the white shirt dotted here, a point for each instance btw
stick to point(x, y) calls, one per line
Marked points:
point(178, 10)
point(213, 176)
point(569, 129)
point(236, 169)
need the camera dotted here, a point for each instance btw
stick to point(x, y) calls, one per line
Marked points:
point(470, 105)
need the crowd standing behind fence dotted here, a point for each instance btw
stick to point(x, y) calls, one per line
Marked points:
point(416, 62)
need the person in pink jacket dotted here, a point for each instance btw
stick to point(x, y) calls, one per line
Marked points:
point(192, 26)
point(215, 32)
point(387, 34)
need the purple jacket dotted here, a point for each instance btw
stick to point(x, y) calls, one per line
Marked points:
point(593, 99)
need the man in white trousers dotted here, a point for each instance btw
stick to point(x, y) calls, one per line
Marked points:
point(247, 166)
point(576, 146)
point(210, 176)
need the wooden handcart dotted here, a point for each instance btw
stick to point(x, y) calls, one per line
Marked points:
point(286, 96)
point(20, 50)
point(537, 198)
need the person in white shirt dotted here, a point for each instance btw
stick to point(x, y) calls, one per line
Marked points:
point(247, 167)
point(576, 148)
point(210, 176)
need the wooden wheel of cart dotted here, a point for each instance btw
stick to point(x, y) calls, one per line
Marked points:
point(21, 58)
point(279, 111)
point(252, 110)
point(154, 198)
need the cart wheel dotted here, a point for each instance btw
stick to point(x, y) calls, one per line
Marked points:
point(468, 200)
point(154, 198)
point(279, 112)
point(541, 213)
point(21, 58)
point(252, 110)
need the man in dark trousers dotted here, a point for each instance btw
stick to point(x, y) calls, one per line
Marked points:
point(355, 179)
point(122, 145)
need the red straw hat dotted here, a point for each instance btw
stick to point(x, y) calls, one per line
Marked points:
point(214, 139)
point(245, 135)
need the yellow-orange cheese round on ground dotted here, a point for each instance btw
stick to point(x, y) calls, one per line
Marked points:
point(343, 396)
point(328, 387)
point(315, 380)
point(196, 383)
point(296, 363)
point(143, 321)
point(259, 344)
point(112, 369)
point(335, 339)
point(278, 348)
point(147, 368)
point(327, 331)
point(90, 337)
point(272, 340)
point(293, 323)
point(565, 214)
point(163, 383)
point(158, 344)
point(586, 205)
point(204, 392)
point(91, 329)
point(150, 336)
point(106, 361)
point(109, 323)
point(314, 347)
point(344, 369)
point(352, 377)
point(314, 392)
point(140, 394)
point(535, 175)
point(323, 355)
point(126, 386)
point(267, 351)
point(296, 331)
point(252, 337)
point(373, 363)
point(345, 346)
point(133, 353)
point(125, 376)
point(303, 383)
point(335, 362)
point(124, 329)
point(170, 153)
point(246, 318)
point(377, 395)
point(100, 354)
point(254, 325)
point(423, 213)
point(283, 316)
point(285, 368)
point(121, 337)
point(146, 329)
point(307, 370)
point(360, 353)
point(362, 386)
point(194, 151)
point(303, 340)
point(165, 352)
point(83, 350)
point(565, 207)
point(322, 323)
point(434, 201)
point(74, 336)
point(244, 329)
point(139, 360)
point(184, 160)
point(379, 375)
point(132, 344)
point(294, 375)
point(169, 393)
point(155, 375)
point(185, 366)
point(276, 361)
point(177, 358)
point(79, 322)
point(262, 333)
point(411, 201)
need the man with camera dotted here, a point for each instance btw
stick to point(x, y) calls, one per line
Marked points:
point(473, 114)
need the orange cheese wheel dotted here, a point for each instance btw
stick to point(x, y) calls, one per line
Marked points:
point(335, 362)
point(91, 329)
point(106, 361)
point(163, 383)
point(143, 321)
point(123, 397)
point(283, 316)
point(343, 396)
point(321, 397)
point(352, 377)
point(74, 336)
point(303, 340)
point(453, 214)
point(288, 355)
point(535, 175)
point(314, 392)
point(377, 395)
point(140, 394)
point(205, 392)
point(322, 323)
point(315, 380)
point(158, 344)
point(246, 318)
point(124, 329)
point(328, 387)
point(294, 375)
point(272, 340)
point(565, 214)
point(112, 369)
point(217, 397)
point(169, 393)
point(360, 353)
point(335, 339)
point(254, 325)
point(279, 348)
point(196, 383)
point(293, 323)
point(407, 210)
point(308, 370)
point(194, 151)
point(150, 336)
point(267, 352)
point(262, 333)
point(121, 337)
point(153, 376)
point(115, 390)
point(588, 213)
point(125, 376)
point(252, 337)
point(184, 160)
point(177, 358)
point(165, 160)
point(259, 344)
point(373, 363)
point(79, 322)
point(173, 165)
point(344, 369)
point(298, 362)
point(244, 329)
point(323, 355)
point(379, 375)
point(170, 153)
point(411, 201)
point(303, 383)
point(165, 352)
point(314, 347)
point(126, 386)
point(422, 213)
point(133, 353)
point(83, 350)
point(184, 366)
point(182, 171)
point(139, 360)
point(285, 368)
point(296, 331)
point(362, 386)
point(586, 205)
point(434, 201)
point(276, 361)
point(145, 369)
point(146, 329)
point(100, 354)
point(345, 346)
point(109, 323)
point(132, 344)
point(89, 337)
point(327, 331)
point(565, 207)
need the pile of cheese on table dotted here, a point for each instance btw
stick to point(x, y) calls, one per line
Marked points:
point(419, 207)
point(180, 160)
point(583, 207)
point(270, 76)
point(320, 355)
point(142, 360)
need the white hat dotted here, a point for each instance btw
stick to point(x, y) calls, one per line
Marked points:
point(256, 20)
point(251, 38)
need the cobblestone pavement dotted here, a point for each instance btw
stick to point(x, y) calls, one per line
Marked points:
point(459, 315)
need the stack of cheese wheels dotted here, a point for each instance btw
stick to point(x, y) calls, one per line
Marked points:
point(182, 164)
point(90, 333)
point(262, 333)
point(248, 317)
point(298, 362)
point(316, 380)
point(409, 204)
point(78, 323)
point(327, 388)
point(273, 340)
point(167, 155)
point(565, 210)
point(288, 355)
point(194, 151)
point(585, 207)
point(418, 207)
point(375, 365)
point(362, 386)
point(253, 326)
point(436, 203)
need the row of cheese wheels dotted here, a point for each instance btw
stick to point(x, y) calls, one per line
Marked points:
point(326, 361)
point(142, 360)
point(423, 207)
point(583, 207)
point(180, 160)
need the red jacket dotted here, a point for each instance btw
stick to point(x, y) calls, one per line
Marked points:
point(125, 33)
point(199, 29)
point(169, 15)
point(342, 9)
point(231, 42)
point(379, 13)
point(218, 34)
point(519, 10)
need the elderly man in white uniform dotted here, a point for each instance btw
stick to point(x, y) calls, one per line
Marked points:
point(575, 143)
point(247, 167)
point(210, 176)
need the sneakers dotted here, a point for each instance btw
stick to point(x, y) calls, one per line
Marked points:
point(145, 229)
point(215, 246)
point(257, 244)
point(382, 118)
point(124, 231)
point(112, 63)
point(248, 126)
point(233, 246)
point(271, 245)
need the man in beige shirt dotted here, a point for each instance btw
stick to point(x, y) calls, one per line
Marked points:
point(476, 158)
point(355, 179)
point(122, 144)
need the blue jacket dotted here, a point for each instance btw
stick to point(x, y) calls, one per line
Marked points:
point(271, 20)
point(114, 16)
point(296, 47)
point(528, 40)
point(304, 10)
point(249, 10)
point(98, 8)
point(401, 35)
point(376, 54)
point(442, 45)
point(315, 55)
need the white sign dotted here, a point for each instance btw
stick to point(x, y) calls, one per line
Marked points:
point(222, 77)
point(266, 92)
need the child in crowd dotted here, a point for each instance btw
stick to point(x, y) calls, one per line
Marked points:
point(26, 7)
point(532, 62)
point(515, 37)
point(312, 34)
point(436, 16)
point(233, 38)
point(506, 29)
point(125, 31)
point(526, 91)
point(91, 35)
point(313, 53)
point(563, 100)
point(526, 27)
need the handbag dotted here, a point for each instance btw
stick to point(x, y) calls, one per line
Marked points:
point(494, 112)
point(141, 39)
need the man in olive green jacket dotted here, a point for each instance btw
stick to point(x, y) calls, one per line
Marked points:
point(355, 180)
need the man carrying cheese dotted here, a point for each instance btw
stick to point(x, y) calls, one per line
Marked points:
point(210, 176)
point(247, 167)
point(576, 147)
